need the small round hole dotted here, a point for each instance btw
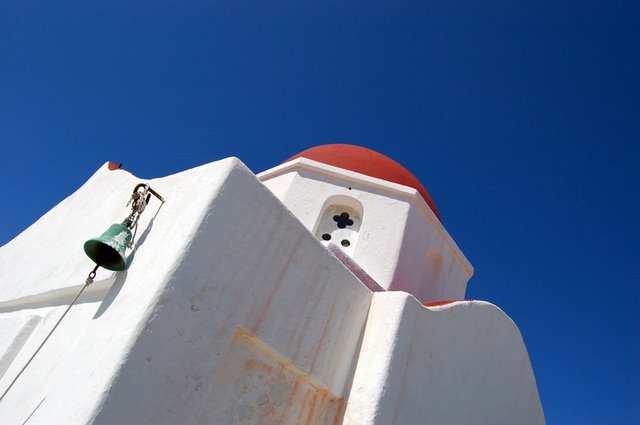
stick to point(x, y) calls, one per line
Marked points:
point(349, 188)
point(326, 237)
point(345, 242)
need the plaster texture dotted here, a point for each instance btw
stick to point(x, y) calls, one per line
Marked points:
point(461, 363)
point(222, 252)
point(234, 311)
point(14, 332)
point(400, 242)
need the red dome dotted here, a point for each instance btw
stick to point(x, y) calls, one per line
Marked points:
point(369, 162)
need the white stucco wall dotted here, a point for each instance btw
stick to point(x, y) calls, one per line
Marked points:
point(234, 312)
point(428, 267)
point(401, 243)
point(222, 252)
point(461, 363)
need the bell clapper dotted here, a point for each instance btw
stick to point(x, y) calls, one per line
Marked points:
point(92, 275)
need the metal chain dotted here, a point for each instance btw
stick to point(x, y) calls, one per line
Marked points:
point(138, 201)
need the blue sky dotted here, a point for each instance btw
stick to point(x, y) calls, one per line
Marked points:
point(522, 119)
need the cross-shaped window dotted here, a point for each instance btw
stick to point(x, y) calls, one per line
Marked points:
point(343, 220)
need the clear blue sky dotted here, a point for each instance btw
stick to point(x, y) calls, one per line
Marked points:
point(522, 118)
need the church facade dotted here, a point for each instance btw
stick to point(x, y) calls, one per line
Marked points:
point(322, 291)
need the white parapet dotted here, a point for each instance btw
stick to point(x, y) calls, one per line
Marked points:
point(223, 274)
point(461, 363)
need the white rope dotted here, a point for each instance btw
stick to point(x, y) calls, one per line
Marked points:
point(139, 200)
point(87, 283)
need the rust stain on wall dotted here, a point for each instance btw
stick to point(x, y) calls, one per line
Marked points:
point(255, 385)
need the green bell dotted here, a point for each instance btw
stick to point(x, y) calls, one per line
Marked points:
point(108, 250)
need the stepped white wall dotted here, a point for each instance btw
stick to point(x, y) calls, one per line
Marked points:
point(461, 363)
point(234, 312)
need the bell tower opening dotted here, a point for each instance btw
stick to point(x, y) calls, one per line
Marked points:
point(402, 244)
point(339, 223)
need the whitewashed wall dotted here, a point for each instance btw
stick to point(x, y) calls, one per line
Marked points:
point(221, 261)
point(401, 243)
point(234, 312)
point(462, 363)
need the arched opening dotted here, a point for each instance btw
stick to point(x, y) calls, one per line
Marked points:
point(339, 222)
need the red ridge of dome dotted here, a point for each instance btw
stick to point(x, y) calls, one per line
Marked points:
point(439, 303)
point(366, 161)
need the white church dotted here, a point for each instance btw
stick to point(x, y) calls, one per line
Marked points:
point(324, 290)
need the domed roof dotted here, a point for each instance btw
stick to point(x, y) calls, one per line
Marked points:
point(369, 162)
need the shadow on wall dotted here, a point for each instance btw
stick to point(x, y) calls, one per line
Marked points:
point(121, 277)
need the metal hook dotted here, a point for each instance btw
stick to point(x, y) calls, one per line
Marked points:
point(153, 192)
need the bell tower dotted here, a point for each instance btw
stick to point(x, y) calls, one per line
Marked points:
point(379, 214)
